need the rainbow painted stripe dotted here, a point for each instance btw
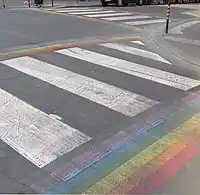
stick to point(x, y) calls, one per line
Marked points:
point(138, 159)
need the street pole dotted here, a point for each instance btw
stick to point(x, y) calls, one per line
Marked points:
point(3, 2)
point(168, 14)
point(52, 3)
point(29, 3)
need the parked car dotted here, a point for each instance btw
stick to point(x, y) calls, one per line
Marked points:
point(121, 2)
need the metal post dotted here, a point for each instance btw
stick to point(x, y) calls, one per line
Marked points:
point(29, 3)
point(52, 3)
point(168, 14)
point(3, 2)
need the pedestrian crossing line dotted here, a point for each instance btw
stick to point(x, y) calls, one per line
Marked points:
point(126, 18)
point(78, 10)
point(91, 12)
point(138, 70)
point(135, 23)
point(138, 42)
point(122, 101)
point(69, 9)
point(34, 134)
point(135, 51)
point(107, 15)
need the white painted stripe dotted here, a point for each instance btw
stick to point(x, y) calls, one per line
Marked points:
point(126, 18)
point(180, 28)
point(138, 42)
point(78, 10)
point(131, 68)
point(107, 15)
point(31, 132)
point(93, 12)
point(67, 11)
point(135, 51)
point(134, 23)
point(109, 96)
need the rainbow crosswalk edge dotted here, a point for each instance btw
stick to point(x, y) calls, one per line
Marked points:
point(137, 159)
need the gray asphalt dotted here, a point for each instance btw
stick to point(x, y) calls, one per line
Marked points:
point(188, 42)
point(21, 28)
point(159, 11)
point(24, 28)
point(184, 181)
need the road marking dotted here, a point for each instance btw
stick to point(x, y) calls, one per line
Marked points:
point(195, 13)
point(104, 94)
point(91, 12)
point(138, 42)
point(135, 23)
point(54, 116)
point(130, 168)
point(135, 51)
point(125, 18)
point(107, 15)
point(33, 133)
point(152, 74)
point(179, 29)
point(47, 47)
point(78, 10)
point(182, 40)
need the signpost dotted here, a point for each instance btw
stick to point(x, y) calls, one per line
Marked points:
point(168, 14)
point(52, 2)
point(29, 3)
point(3, 2)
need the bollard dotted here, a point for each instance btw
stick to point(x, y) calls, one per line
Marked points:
point(3, 2)
point(168, 14)
point(29, 3)
point(52, 2)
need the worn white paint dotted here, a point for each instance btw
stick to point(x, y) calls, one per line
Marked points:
point(93, 12)
point(138, 42)
point(190, 14)
point(54, 116)
point(121, 18)
point(193, 13)
point(78, 10)
point(104, 94)
point(33, 133)
point(142, 22)
point(153, 74)
point(107, 15)
point(135, 51)
point(179, 29)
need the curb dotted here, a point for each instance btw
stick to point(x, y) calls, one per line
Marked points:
point(155, 40)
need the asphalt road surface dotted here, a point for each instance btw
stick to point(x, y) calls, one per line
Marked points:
point(68, 83)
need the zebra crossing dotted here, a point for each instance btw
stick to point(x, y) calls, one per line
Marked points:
point(124, 17)
point(42, 137)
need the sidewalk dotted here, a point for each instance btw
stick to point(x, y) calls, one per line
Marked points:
point(56, 3)
point(72, 3)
